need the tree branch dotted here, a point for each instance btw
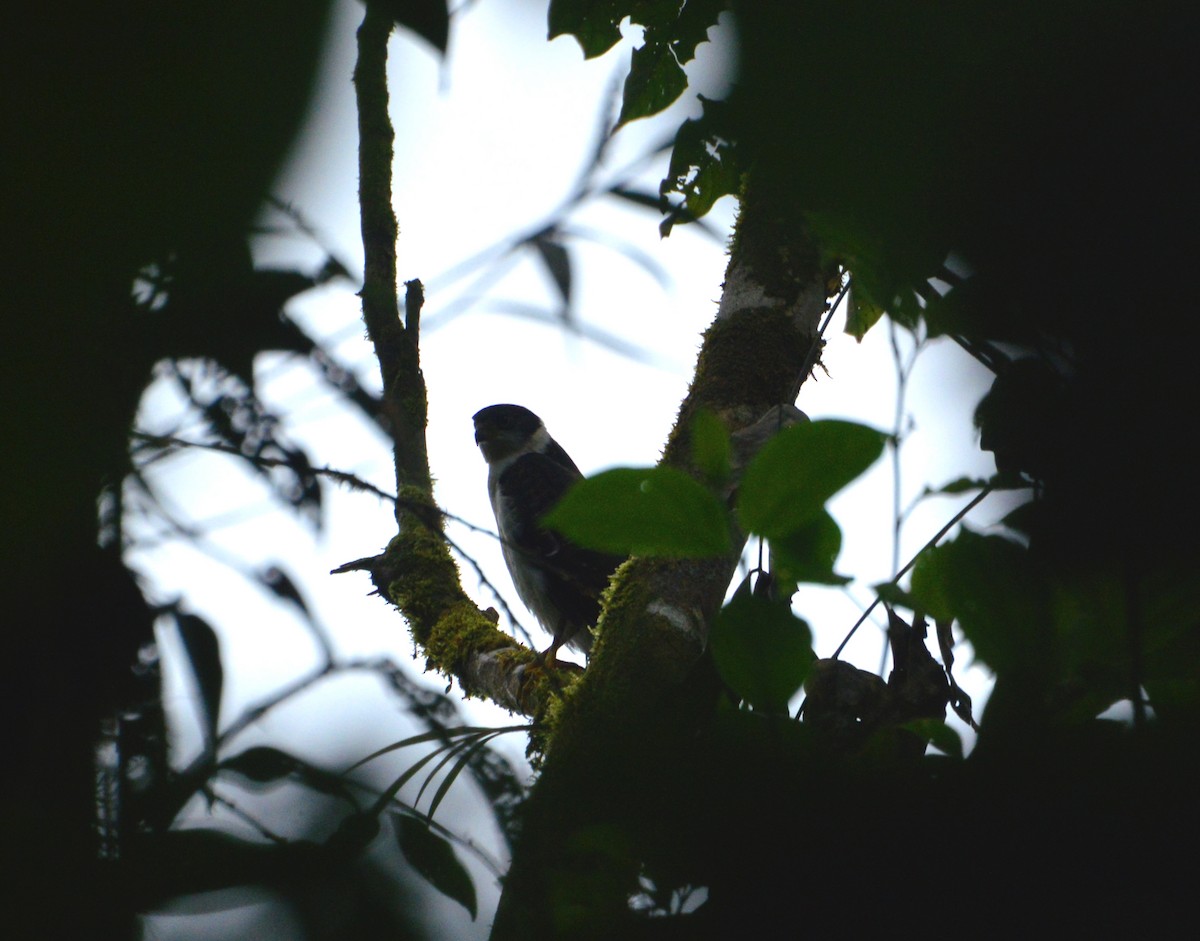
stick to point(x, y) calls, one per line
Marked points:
point(609, 758)
point(417, 572)
point(396, 347)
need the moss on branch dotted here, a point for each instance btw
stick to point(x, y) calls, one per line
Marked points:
point(608, 761)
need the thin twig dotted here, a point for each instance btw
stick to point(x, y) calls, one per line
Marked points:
point(355, 483)
point(814, 352)
point(903, 372)
point(342, 477)
point(913, 561)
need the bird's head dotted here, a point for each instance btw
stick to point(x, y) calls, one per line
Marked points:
point(502, 431)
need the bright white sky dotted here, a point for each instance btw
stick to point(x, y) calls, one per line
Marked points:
point(488, 144)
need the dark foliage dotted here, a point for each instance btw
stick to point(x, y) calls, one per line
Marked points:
point(147, 132)
point(1015, 178)
point(140, 142)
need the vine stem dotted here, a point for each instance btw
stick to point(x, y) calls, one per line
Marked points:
point(975, 501)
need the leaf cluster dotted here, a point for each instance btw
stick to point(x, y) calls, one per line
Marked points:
point(760, 647)
point(671, 33)
point(231, 777)
point(954, 169)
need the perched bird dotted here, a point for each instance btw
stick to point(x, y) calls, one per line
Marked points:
point(528, 473)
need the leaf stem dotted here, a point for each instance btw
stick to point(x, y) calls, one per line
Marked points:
point(975, 501)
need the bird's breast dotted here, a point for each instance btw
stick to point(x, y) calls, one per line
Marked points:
point(528, 578)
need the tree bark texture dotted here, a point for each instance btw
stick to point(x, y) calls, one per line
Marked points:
point(619, 745)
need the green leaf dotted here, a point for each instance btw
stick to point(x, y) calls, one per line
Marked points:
point(930, 583)
point(894, 595)
point(464, 761)
point(863, 315)
point(958, 485)
point(693, 21)
point(656, 511)
point(873, 288)
point(966, 484)
point(950, 313)
point(761, 649)
point(887, 276)
point(453, 752)
point(997, 594)
point(808, 553)
point(786, 485)
point(938, 734)
point(1025, 518)
point(710, 446)
point(439, 734)
point(595, 24)
point(435, 859)
point(704, 164)
point(655, 80)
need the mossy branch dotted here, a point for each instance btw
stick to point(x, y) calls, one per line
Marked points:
point(610, 773)
point(396, 347)
point(417, 572)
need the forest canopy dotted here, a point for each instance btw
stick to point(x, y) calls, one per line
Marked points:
point(1016, 180)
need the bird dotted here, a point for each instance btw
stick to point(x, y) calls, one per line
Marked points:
point(528, 473)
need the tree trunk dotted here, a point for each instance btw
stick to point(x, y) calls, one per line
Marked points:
point(619, 746)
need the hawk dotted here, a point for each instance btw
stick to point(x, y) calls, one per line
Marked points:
point(528, 473)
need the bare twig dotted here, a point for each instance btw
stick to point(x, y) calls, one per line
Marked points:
point(975, 501)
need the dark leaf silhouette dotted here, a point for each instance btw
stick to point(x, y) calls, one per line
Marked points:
point(262, 764)
point(276, 581)
point(557, 261)
point(762, 650)
point(204, 655)
point(435, 859)
point(429, 19)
